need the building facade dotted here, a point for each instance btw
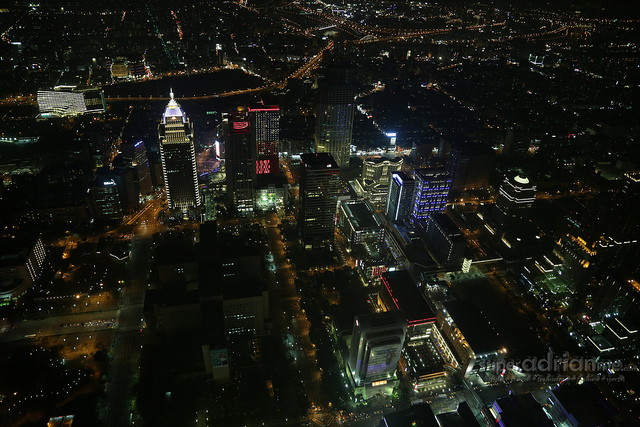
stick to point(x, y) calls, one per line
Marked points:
point(376, 346)
point(265, 133)
point(431, 192)
point(359, 223)
point(334, 121)
point(517, 194)
point(178, 156)
point(318, 198)
point(400, 198)
point(240, 160)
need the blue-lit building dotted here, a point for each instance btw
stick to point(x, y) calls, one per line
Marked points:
point(399, 201)
point(430, 193)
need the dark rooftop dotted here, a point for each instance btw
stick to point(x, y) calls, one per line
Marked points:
point(521, 410)
point(318, 161)
point(415, 416)
point(447, 224)
point(407, 297)
point(361, 215)
point(477, 330)
point(14, 251)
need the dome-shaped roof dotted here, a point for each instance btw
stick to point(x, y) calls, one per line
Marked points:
point(173, 110)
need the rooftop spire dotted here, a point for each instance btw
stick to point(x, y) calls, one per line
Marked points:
point(171, 93)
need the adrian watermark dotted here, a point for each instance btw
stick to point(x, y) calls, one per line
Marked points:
point(565, 364)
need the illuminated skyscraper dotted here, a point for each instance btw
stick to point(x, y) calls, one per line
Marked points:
point(240, 160)
point(334, 120)
point(178, 158)
point(430, 193)
point(318, 198)
point(376, 346)
point(400, 197)
point(265, 133)
point(135, 155)
point(516, 196)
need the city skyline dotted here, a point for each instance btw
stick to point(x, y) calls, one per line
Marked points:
point(275, 213)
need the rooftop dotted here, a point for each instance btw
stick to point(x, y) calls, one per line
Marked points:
point(361, 215)
point(407, 297)
point(318, 161)
point(475, 327)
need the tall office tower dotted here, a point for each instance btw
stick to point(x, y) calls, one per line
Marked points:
point(446, 241)
point(470, 166)
point(240, 160)
point(135, 155)
point(516, 196)
point(105, 200)
point(265, 134)
point(399, 202)
point(178, 158)
point(334, 120)
point(431, 192)
point(318, 198)
point(376, 346)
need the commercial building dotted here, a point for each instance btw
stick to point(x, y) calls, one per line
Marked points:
point(379, 169)
point(265, 133)
point(318, 198)
point(178, 156)
point(21, 261)
point(271, 193)
point(245, 307)
point(359, 223)
point(240, 160)
point(430, 194)
point(105, 200)
point(135, 156)
point(423, 356)
point(376, 346)
point(373, 183)
point(69, 101)
point(476, 344)
point(400, 199)
point(445, 241)
point(517, 194)
point(576, 405)
point(470, 166)
point(519, 410)
point(334, 120)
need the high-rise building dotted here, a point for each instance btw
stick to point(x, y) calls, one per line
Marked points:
point(470, 166)
point(430, 193)
point(445, 240)
point(517, 194)
point(21, 261)
point(135, 155)
point(318, 198)
point(106, 200)
point(334, 120)
point(376, 346)
point(178, 158)
point(265, 133)
point(399, 201)
point(240, 160)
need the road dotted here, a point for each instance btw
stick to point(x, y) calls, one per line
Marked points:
point(53, 326)
point(125, 363)
point(294, 321)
